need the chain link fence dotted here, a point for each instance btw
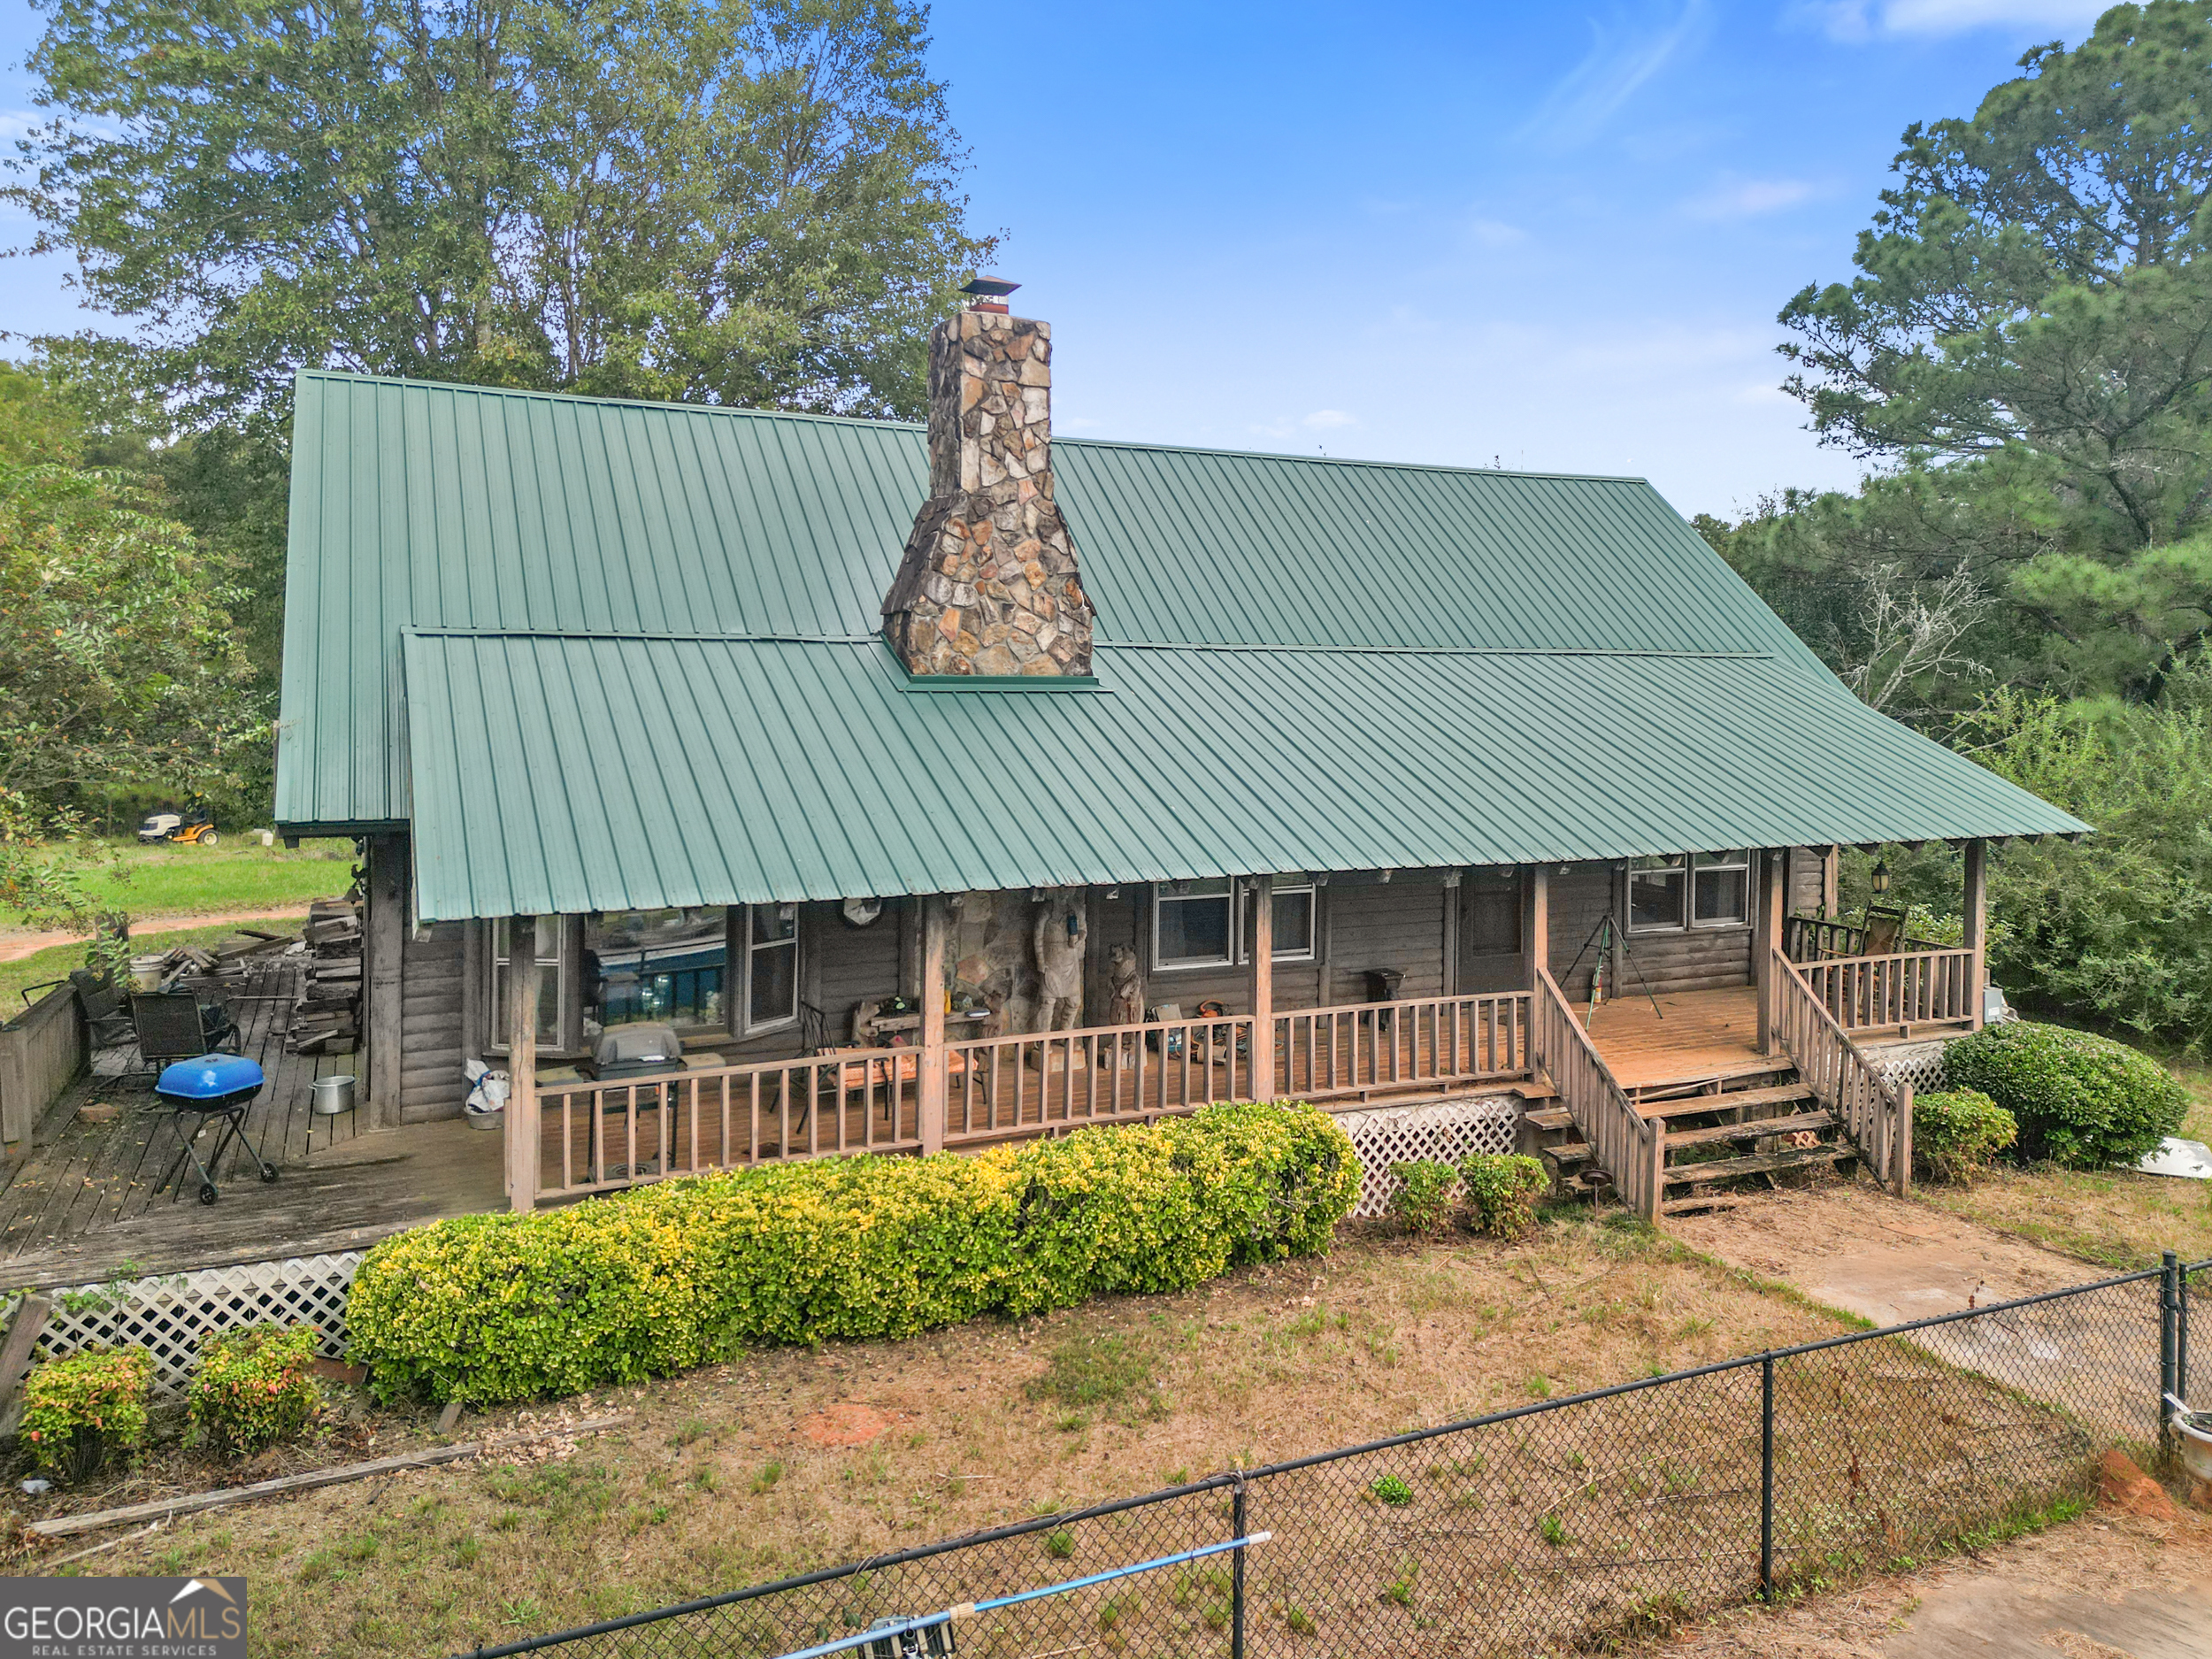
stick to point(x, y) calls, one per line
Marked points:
point(1578, 1525)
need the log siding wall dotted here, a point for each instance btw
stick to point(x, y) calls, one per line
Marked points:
point(1360, 924)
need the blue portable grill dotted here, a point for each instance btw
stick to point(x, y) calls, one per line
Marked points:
point(213, 1086)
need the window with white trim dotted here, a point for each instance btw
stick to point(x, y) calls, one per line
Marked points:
point(1194, 925)
point(1207, 924)
point(1297, 918)
point(1681, 890)
point(1720, 889)
point(555, 964)
point(1657, 888)
point(772, 968)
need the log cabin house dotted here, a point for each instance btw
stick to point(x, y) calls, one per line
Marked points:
point(939, 785)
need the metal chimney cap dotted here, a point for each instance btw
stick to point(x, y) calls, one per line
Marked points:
point(989, 287)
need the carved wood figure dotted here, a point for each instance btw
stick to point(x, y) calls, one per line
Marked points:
point(1125, 1004)
point(1059, 937)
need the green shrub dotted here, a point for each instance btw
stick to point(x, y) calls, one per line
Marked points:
point(1956, 1132)
point(79, 1410)
point(1425, 1197)
point(255, 1387)
point(686, 1272)
point(1503, 1188)
point(2079, 1099)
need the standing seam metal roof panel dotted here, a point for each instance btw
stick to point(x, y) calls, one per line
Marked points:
point(596, 772)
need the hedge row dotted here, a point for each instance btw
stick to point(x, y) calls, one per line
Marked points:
point(2079, 1099)
point(688, 1272)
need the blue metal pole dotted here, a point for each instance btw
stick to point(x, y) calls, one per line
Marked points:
point(972, 1609)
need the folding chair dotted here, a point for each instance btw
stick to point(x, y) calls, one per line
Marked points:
point(101, 1003)
point(175, 1026)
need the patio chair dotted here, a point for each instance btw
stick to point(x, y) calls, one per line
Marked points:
point(105, 1019)
point(177, 1026)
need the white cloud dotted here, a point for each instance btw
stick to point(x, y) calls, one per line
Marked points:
point(1864, 19)
point(1324, 420)
point(1623, 55)
point(1495, 232)
point(16, 123)
point(1734, 198)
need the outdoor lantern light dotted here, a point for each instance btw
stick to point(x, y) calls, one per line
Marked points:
point(1881, 877)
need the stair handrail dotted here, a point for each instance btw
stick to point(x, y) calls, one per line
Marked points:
point(1877, 1117)
point(1624, 1143)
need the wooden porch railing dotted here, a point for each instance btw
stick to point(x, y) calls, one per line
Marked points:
point(1322, 1052)
point(594, 1136)
point(1626, 1145)
point(1911, 987)
point(1875, 1115)
point(1034, 1080)
point(1818, 938)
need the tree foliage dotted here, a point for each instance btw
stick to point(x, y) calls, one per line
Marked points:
point(2036, 281)
point(702, 200)
point(116, 646)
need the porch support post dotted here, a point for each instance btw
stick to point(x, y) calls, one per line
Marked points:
point(1975, 932)
point(522, 1064)
point(1766, 939)
point(1536, 920)
point(930, 1107)
point(1263, 988)
point(384, 935)
point(1830, 870)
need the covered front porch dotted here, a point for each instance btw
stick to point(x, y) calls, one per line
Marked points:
point(937, 1084)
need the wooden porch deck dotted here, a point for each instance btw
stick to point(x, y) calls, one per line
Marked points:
point(79, 1205)
point(1692, 1037)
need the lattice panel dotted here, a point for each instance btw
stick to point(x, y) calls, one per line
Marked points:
point(1922, 1067)
point(1448, 1132)
point(169, 1315)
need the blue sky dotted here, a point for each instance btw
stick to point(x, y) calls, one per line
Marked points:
point(1549, 235)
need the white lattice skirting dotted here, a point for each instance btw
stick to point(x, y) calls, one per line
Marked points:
point(169, 1315)
point(1448, 1132)
point(1920, 1065)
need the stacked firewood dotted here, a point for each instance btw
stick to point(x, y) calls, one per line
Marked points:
point(326, 1018)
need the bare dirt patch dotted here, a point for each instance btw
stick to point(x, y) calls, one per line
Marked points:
point(2105, 1583)
point(1850, 1245)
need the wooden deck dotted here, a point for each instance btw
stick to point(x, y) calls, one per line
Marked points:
point(79, 1204)
point(1692, 1037)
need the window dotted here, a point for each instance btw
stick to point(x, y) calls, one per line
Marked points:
point(1295, 932)
point(1194, 925)
point(1655, 892)
point(772, 966)
point(654, 968)
point(1721, 890)
point(552, 983)
point(1689, 890)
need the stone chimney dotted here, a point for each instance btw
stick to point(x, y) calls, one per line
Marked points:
point(989, 583)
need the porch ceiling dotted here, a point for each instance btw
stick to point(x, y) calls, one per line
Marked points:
point(556, 772)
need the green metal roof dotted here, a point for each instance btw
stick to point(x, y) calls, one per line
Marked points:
point(565, 773)
point(1547, 667)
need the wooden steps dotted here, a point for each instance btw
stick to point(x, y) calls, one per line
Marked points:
point(1757, 1164)
point(1756, 1130)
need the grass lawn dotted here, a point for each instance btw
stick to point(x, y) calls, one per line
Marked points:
point(2114, 1217)
point(722, 1477)
point(168, 879)
point(54, 964)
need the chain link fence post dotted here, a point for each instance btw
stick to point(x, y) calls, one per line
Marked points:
point(2169, 1377)
point(1766, 1476)
point(1236, 1571)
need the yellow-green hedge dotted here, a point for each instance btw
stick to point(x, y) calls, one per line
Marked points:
point(688, 1272)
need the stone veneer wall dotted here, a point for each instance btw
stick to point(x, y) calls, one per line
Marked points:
point(990, 584)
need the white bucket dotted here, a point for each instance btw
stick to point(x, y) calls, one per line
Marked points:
point(146, 972)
